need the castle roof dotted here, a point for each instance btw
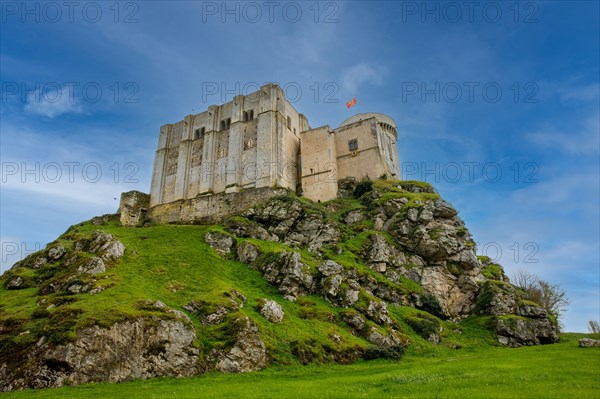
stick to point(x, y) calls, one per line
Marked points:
point(380, 118)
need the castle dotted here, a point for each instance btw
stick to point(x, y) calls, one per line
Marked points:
point(206, 163)
point(260, 140)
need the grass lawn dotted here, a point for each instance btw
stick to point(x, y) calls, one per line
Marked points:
point(554, 371)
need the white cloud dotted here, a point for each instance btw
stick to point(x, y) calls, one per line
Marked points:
point(98, 194)
point(51, 103)
point(582, 140)
point(352, 78)
point(590, 92)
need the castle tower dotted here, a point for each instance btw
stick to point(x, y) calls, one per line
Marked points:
point(366, 147)
point(249, 142)
point(363, 146)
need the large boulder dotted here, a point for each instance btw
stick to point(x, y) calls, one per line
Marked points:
point(220, 242)
point(248, 353)
point(55, 253)
point(272, 311)
point(247, 252)
point(589, 343)
point(518, 331)
point(105, 246)
point(132, 349)
point(290, 274)
point(93, 266)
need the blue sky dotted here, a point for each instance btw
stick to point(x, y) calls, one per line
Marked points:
point(497, 105)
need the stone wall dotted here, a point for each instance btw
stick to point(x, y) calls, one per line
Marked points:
point(211, 209)
point(133, 207)
point(318, 169)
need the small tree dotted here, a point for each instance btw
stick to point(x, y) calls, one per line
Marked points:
point(594, 327)
point(549, 296)
point(524, 280)
point(552, 298)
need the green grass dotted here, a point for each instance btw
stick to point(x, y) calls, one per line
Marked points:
point(173, 264)
point(553, 371)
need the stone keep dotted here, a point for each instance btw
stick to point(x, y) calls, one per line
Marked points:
point(259, 141)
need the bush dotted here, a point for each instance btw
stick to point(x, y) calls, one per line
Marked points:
point(384, 352)
point(364, 186)
point(549, 296)
point(40, 314)
point(424, 325)
point(59, 327)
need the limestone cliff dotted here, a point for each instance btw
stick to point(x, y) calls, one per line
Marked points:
point(388, 265)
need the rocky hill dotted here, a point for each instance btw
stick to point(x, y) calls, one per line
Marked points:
point(387, 268)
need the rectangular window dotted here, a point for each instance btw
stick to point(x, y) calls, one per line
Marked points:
point(353, 145)
point(289, 123)
point(199, 133)
point(225, 124)
point(248, 115)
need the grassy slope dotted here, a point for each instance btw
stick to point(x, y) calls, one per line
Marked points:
point(173, 264)
point(161, 259)
point(554, 371)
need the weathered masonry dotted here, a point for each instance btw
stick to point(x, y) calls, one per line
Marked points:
point(261, 141)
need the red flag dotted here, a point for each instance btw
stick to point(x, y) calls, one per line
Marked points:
point(351, 103)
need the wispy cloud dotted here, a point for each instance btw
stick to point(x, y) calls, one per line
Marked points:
point(355, 76)
point(589, 92)
point(53, 103)
point(582, 140)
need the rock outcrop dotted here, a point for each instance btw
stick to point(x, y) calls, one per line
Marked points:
point(420, 238)
point(291, 224)
point(589, 343)
point(219, 241)
point(248, 352)
point(132, 349)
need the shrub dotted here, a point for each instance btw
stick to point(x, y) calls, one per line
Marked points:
point(364, 186)
point(59, 327)
point(384, 352)
point(40, 314)
point(423, 324)
point(462, 231)
point(549, 296)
